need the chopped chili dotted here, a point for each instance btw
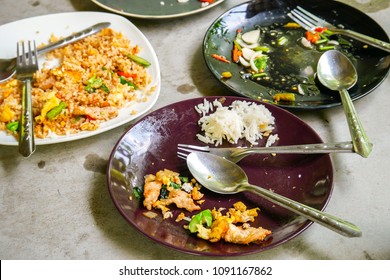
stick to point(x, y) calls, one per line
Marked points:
point(312, 37)
point(220, 58)
point(126, 74)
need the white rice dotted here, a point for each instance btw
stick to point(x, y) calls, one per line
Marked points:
point(240, 120)
point(187, 187)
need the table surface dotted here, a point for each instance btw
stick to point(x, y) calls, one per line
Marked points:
point(55, 204)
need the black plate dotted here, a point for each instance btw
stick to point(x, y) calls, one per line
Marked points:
point(372, 64)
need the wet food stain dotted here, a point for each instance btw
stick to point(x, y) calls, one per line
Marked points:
point(95, 163)
point(41, 164)
point(185, 88)
point(35, 3)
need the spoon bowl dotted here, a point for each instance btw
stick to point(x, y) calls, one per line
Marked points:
point(225, 177)
point(336, 72)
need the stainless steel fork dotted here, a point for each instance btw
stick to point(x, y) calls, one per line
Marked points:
point(310, 21)
point(237, 154)
point(26, 66)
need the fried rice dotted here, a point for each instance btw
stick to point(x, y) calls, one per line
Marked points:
point(93, 79)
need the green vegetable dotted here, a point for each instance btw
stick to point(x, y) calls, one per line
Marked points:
point(184, 179)
point(175, 186)
point(12, 126)
point(328, 32)
point(76, 119)
point(164, 192)
point(56, 110)
point(262, 48)
point(282, 41)
point(204, 217)
point(237, 45)
point(126, 82)
point(139, 60)
point(105, 88)
point(344, 42)
point(95, 83)
point(325, 48)
point(324, 36)
point(261, 62)
point(321, 41)
point(106, 69)
point(259, 75)
point(138, 193)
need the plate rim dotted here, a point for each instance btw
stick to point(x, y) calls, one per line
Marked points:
point(305, 225)
point(145, 16)
point(286, 106)
point(10, 140)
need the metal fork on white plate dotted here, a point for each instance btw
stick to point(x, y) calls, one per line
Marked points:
point(26, 66)
point(237, 154)
point(310, 21)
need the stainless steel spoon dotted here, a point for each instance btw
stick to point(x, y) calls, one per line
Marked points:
point(8, 66)
point(225, 177)
point(336, 72)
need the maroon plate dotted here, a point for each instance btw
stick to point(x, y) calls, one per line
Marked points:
point(151, 145)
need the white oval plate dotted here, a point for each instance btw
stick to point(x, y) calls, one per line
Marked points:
point(41, 28)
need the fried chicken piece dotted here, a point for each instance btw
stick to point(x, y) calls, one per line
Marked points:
point(241, 214)
point(245, 235)
point(181, 199)
point(196, 194)
point(224, 228)
point(180, 217)
point(170, 180)
point(166, 176)
point(219, 228)
point(151, 192)
point(240, 206)
point(162, 206)
point(203, 232)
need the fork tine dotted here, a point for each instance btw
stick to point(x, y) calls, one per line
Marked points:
point(21, 53)
point(31, 53)
point(298, 19)
point(34, 56)
point(307, 19)
point(191, 148)
point(183, 150)
point(182, 155)
point(318, 21)
point(27, 55)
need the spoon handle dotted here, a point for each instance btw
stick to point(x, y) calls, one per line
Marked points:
point(336, 224)
point(73, 38)
point(340, 147)
point(361, 143)
point(364, 38)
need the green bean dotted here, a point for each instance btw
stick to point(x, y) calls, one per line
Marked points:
point(56, 110)
point(139, 60)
